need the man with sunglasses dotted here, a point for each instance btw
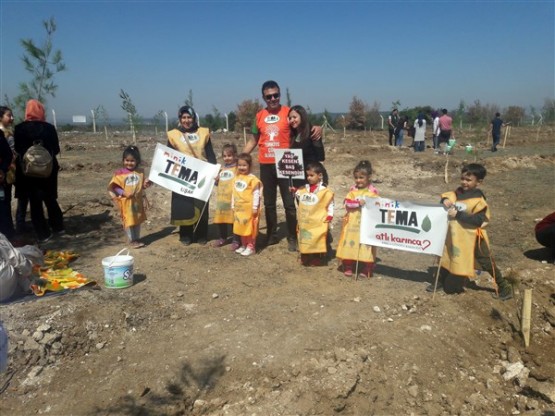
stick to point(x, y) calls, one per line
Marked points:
point(271, 131)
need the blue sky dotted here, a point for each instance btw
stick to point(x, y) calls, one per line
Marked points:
point(419, 52)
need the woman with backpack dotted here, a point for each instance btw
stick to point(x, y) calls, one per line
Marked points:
point(40, 190)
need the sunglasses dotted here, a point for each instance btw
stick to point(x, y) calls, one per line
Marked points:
point(270, 96)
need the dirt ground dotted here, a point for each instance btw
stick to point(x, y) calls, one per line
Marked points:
point(204, 332)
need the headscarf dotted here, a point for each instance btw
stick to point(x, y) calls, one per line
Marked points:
point(191, 111)
point(34, 111)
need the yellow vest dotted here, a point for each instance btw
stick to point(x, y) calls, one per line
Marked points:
point(191, 144)
point(131, 208)
point(244, 223)
point(349, 247)
point(224, 213)
point(458, 253)
point(311, 214)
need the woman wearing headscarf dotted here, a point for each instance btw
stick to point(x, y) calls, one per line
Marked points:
point(190, 214)
point(39, 190)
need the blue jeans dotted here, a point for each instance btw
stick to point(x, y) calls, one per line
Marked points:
point(419, 146)
point(399, 138)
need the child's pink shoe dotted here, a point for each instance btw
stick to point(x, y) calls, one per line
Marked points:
point(219, 243)
point(235, 245)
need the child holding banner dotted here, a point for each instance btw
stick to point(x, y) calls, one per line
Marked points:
point(126, 190)
point(350, 251)
point(314, 214)
point(224, 214)
point(467, 243)
point(245, 202)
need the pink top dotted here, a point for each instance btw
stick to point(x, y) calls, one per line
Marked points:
point(445, 122)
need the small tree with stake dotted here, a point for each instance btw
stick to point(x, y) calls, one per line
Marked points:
point(42, 63)
point(132, 115)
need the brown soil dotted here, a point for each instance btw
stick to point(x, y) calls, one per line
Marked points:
point(204, 332)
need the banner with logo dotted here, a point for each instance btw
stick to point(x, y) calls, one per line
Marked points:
point(182, 174)
point(289, 163)
point(402, 225)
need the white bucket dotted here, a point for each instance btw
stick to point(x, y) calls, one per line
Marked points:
point(118, 270)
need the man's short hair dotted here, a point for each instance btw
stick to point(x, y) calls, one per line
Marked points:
point(269, 84)
point(444, 111)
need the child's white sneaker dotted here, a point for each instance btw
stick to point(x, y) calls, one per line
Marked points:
point(240, 250)
point(248, 251)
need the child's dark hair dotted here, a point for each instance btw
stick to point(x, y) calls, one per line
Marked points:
point(132, 151)
point(475, 169)
point(246, 157)
point(231, 147)
point(318, 168)
point(363, 166)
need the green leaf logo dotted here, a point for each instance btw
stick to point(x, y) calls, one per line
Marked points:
point(201, 183)
point(427, 224)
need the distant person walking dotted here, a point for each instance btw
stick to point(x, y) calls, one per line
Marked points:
point(392, 121)
point(496, 124)
point(445, 127)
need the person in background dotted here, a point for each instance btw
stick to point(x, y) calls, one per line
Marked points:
point(419, 133)
point(39, 191)
point(6, 220)
point(496, 124)
point(392, 121)
point(190, 214)
point(126, 188)
point(435, 129)
point(545, 233)
point(400, 130)
point(467, 245)
point(271, 131)
point(445, 124)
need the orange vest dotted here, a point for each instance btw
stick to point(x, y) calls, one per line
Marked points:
point(274, 133)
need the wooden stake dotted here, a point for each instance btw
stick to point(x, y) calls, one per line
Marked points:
point(245, 136)
point(526, 316)
point(446, 166)
point(507, 131)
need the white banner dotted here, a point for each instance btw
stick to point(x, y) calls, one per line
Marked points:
point(182, 174)
point(403, 225)
point(289, 163)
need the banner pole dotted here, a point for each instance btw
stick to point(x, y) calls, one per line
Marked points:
point(201, 212)
point(356, 266)
point(437, 276)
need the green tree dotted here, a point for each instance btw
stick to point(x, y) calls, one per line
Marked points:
point(132, 115)
point(157, 119)
point(356, 118)
point(396, 104)
point(246, 112)
point(43, 63)
point(514, 114)
point(373, 119)
point(231, 120)
point(189, 99)
point(548, 110)
point(288, 97)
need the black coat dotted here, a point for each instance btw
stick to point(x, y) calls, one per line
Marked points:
point(25, 135)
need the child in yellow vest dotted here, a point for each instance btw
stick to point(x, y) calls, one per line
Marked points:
point(224, 214)
point(314, 215)
point(354, 255)
point(245, 202)
point(467, 244)
point(126, 190)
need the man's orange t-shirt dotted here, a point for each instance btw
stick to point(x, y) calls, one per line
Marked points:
point(274, 133)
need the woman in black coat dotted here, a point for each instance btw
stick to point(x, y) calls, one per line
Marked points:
point(39, 190)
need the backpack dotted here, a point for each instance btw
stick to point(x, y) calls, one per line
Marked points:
point(37, 162)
